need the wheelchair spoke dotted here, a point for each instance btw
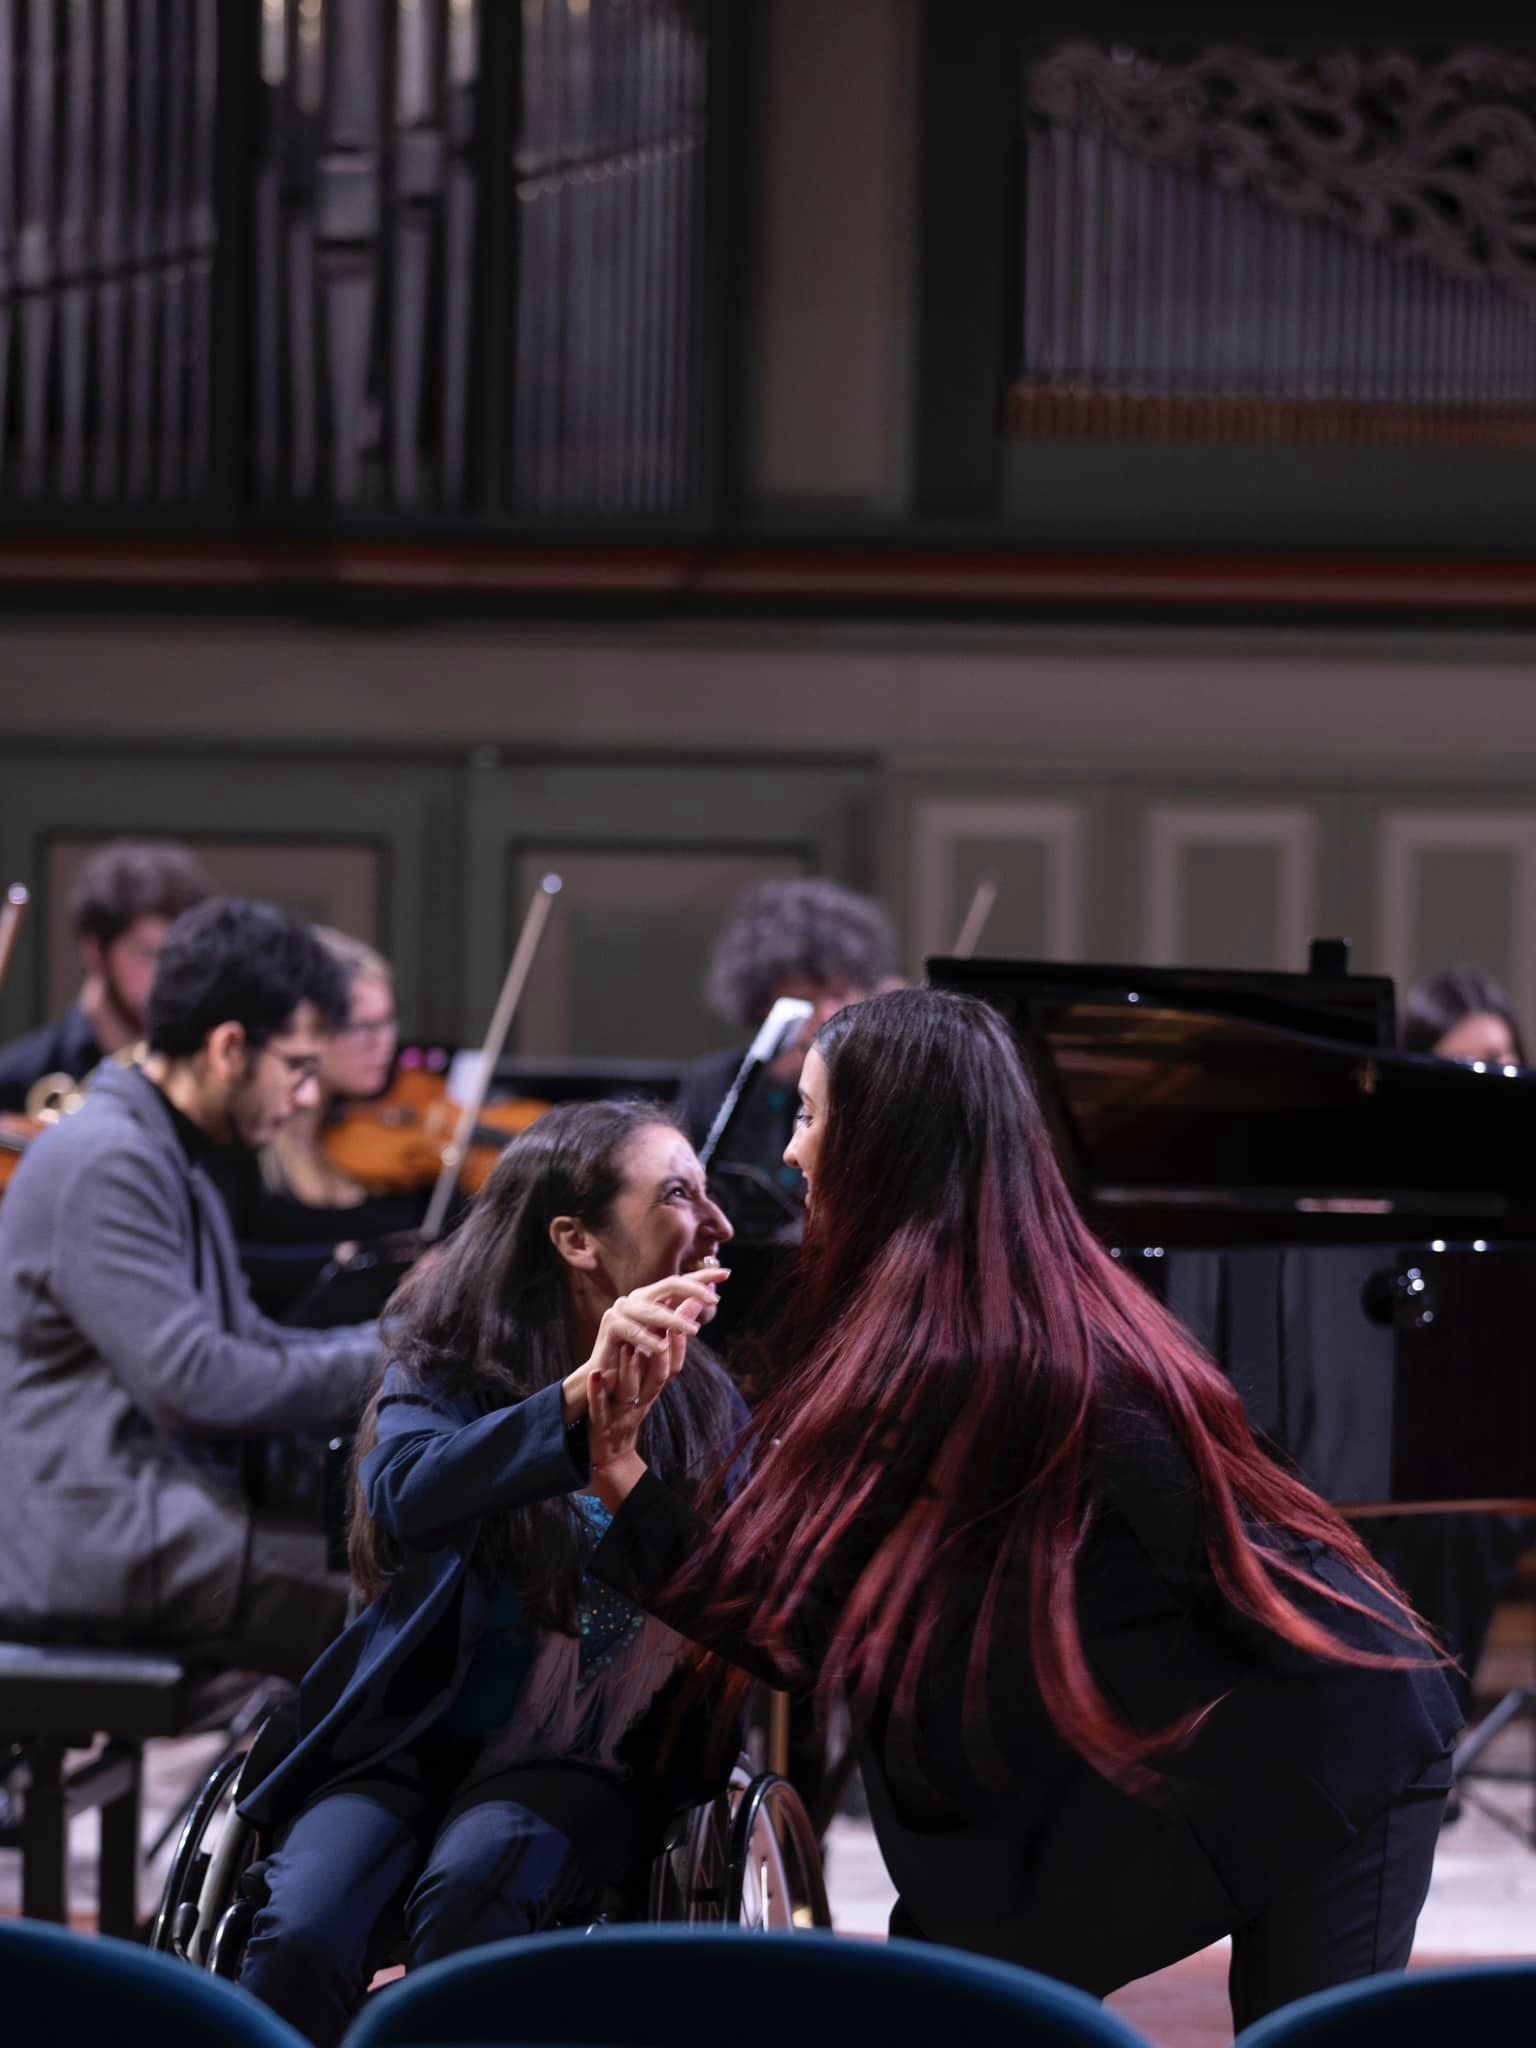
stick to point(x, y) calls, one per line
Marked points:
point(776, 1879)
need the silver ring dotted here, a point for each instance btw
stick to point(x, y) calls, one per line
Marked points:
point(636, 1402)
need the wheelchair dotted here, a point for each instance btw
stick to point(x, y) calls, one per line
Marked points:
point(747, 1858)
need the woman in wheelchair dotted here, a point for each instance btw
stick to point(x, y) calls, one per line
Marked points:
point(495, 1732)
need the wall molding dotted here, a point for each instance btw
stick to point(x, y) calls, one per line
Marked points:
point(896, 579)
point(1287, 829)
point(942, 823)
point(1407, 834)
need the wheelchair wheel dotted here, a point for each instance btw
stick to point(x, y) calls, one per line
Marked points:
point(775, 1880)
point(689, 1877)
point(201, 1892)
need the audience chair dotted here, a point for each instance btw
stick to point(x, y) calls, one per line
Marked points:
point(1482, 2003)
point(54, 1699)
point(62, 1987)
point(680, 1987)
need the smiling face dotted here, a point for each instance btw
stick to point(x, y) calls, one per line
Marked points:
point(804, 1148)
point(662, 1220)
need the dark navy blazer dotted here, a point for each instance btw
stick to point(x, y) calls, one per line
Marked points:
point(439, 1468)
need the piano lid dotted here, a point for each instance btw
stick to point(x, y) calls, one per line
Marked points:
point(1200, 1108)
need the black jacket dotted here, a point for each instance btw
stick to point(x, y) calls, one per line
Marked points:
point(759, 1193)
point(65, 1045)
point(1295, 1756)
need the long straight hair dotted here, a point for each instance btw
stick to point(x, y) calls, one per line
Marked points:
point(490, 1319)
point(955, 1336)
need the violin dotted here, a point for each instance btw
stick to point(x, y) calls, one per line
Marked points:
point(415, 1127)
point(16, 1134)
point(396, 1143)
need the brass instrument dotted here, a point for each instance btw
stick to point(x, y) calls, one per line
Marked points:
point(52, 1096)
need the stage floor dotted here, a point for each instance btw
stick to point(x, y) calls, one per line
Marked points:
point(1482, 1901)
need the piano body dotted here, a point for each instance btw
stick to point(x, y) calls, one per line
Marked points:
point(1350, 1230)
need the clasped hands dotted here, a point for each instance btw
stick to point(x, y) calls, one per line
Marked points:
point(642, 1343)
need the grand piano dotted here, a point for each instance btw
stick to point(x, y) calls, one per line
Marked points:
point(1351, 1230)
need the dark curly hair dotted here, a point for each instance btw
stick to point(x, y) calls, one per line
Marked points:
point(805, 930)
point(134, 878)
point(234, 962)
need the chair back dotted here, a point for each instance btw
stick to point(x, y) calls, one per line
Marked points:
point(674, 1987)
point(1485, 2003)
point(60, 1987)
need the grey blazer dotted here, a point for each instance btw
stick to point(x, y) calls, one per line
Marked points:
point(131, 1362)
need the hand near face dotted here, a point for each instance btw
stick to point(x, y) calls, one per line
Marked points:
point(620, 1394)
point(620, 1397)
point(651, 1322)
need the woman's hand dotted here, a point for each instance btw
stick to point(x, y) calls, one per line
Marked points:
point(652, 1321)
point(621, 1392)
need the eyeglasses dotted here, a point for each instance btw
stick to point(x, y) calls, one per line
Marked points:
point(370, 1027)
point(304, 1066)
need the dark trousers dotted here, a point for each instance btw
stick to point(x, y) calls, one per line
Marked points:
point(398, 1854)
point(1352, 1918)
point(1150, 1896)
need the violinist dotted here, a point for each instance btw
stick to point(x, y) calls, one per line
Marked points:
point(125, 900)
point(295, 1204)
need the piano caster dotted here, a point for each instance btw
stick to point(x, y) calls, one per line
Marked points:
point(1401, 1300)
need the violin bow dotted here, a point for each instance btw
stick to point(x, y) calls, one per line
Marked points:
point(12, 911)
point(518, 970)
point(975, 918)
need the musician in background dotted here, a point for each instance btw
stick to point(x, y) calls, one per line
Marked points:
point(1456, 1568)
point(134, 1370)
point(808, 938)
point(294, 1208)
point(1463, 1014)
point(125, 900)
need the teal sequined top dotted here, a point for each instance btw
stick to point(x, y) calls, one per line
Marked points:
point(503, 1657)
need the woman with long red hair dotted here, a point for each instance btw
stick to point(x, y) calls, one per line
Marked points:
point(1124, 1684)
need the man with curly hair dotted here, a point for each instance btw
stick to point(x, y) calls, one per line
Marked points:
point(809, 938)
point(125, 900)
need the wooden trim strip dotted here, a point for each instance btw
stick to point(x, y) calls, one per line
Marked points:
point(892, 578)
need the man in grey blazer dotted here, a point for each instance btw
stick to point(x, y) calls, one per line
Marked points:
point(132, 1362)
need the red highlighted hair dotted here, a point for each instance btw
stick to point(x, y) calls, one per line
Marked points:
point(955, 1331)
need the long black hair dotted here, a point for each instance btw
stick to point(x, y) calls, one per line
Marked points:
point(491, 1318)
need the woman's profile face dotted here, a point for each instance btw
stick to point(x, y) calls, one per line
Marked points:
point(1480, 1035)
point(357, 1060)
point(804, 1148)
point(663, 1220)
